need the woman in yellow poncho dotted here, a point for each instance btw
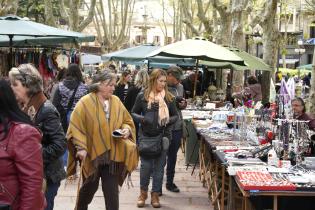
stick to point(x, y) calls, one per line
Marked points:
point(90, 139)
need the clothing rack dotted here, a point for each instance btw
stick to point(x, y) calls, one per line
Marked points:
point(33, 55)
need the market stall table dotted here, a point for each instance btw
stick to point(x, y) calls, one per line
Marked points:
point(274, 194)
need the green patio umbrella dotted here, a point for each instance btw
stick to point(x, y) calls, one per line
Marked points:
point(132, 54)
point(17, 28)
point(199, 49)
point(252, 62)
point(140, 54)
point(29, 41)
point(306, 67)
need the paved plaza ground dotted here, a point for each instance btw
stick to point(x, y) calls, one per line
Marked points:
point(192, 195)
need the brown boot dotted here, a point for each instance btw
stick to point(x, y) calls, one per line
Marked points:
point(155, 202)
point(141, 199)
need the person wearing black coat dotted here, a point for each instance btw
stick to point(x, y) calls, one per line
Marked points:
point(123, 85)
point(27, 85)
point(158, 100)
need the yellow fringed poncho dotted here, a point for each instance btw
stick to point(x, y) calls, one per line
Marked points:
point(89, 129)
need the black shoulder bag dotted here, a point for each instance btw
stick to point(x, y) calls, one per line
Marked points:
point(64, 119)
point(151, 146)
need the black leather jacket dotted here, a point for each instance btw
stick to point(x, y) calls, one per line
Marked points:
point(140, 109)
point(54, 141)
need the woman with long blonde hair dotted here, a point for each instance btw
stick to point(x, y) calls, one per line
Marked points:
point(141, 82)
point(155, 98)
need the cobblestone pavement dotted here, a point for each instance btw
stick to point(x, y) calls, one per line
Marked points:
point(192, 194)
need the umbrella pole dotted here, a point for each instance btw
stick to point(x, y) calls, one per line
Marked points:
point(196, 79)
point(11, 52)
point(148, 66)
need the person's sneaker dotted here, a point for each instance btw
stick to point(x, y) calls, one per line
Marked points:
point(172, 187)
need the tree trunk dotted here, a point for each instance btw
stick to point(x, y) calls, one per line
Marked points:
point(270, 45)
point(89, 18)
point(75, 23)
point(224, 33)
point(74, 14)
point(312, 91)
point(8, 7)
point(285, 39)
point(50, 19)
point(223, 37)
point(237, 38)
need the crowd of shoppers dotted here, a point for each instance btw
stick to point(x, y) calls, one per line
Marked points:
point(100, 154)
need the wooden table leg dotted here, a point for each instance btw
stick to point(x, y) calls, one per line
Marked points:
point(231, 195)
point(222, 186)
point(275, 202)
point(247, 204)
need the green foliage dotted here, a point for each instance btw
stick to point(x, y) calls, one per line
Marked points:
point(35, 9)
point(284, 51)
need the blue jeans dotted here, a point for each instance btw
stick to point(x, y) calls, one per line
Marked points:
point(51, 192)
point(172, 155)
point(156, 166)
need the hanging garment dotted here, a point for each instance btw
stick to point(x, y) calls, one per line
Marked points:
point(62, 61)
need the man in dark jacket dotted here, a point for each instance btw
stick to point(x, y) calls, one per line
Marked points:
point(189, 84)
point(299, 112)
point(174, 74)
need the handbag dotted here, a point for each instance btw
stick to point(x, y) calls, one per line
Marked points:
point(150, 147)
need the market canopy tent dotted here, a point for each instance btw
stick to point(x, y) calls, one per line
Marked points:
point(199, 49)
point(252, 62)
point(306, 67)
point(140, 54)
point(13, 26)
point(17, 28)
point(29, 41)
point(90, 59)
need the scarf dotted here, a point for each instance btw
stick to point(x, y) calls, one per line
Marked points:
point(32, 107)
point(164, 115)
point(91, 130)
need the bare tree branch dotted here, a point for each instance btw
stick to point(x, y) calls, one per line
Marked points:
point(74, 14)
point(222, 9)
point(201, 15)
point(89, 18)
point(104, 24)
point(64, 14)
point(193, 29)
point(188, 18)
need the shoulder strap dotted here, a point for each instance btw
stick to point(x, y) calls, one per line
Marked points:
point(70, 103)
